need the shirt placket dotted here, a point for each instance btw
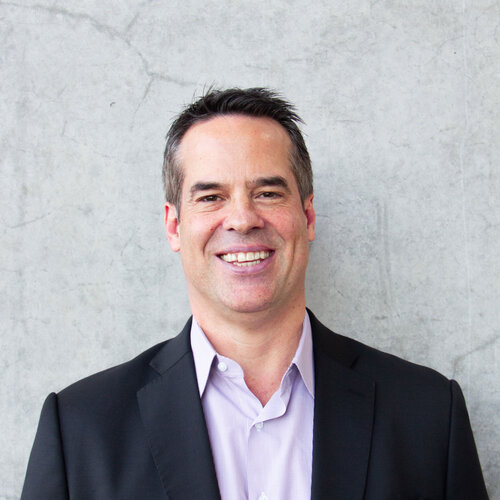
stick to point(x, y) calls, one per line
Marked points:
point(263, 440)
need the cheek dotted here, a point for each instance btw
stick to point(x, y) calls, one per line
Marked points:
point(197, 231)
point(290, 226)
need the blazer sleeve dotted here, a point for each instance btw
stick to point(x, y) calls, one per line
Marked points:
point(46, 474)
point(464, 478)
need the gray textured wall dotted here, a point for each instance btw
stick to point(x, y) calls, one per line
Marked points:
point(401, 101)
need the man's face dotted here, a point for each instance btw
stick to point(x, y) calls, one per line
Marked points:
point(243, 233)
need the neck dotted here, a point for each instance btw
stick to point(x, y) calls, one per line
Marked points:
point(262, 343)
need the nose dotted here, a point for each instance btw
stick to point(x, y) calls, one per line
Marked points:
point(242, 216)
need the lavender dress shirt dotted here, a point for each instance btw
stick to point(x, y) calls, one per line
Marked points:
point(260, 453)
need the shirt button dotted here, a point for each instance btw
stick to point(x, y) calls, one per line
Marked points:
point(222, 367)
point(259, 426)
point(263, 496)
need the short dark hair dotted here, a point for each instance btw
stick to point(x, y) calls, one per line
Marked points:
point(255, 102)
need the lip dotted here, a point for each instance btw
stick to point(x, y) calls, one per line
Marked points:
point(245, 248)
point(247, 270)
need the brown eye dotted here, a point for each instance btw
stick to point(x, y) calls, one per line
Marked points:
point(269, 194)
point(210, 198)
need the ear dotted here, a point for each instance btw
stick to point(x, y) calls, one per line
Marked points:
point(310, 217)
point(172, 227)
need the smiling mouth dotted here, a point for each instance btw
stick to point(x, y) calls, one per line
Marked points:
point(245, 259)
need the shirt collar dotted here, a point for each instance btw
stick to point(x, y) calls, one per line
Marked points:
point(204, 354)
point(303, 358)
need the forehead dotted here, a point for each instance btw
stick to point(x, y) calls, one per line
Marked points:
point(232, 143)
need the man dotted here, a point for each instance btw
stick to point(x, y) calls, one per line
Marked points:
point(255, 399)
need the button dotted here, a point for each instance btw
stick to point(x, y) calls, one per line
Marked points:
point(222, 367)
point(263, 496)
point(259, 426)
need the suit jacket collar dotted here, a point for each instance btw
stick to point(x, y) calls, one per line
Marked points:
point(343, 421)
point(172, 414)
point(343, 418)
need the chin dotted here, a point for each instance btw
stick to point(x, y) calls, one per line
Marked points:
point(249, 306)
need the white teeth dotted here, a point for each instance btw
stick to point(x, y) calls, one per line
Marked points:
point(247, 264)
point(244, 259)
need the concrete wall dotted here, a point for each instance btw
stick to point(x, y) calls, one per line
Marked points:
point(401, 101)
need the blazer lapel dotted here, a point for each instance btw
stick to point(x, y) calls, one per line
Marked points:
point(343, 418)
point(172, 414)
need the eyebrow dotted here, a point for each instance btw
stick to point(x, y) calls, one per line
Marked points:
point(275, 180)
point(204, 186)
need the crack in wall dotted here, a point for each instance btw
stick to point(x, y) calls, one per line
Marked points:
point(461, 149)
point(114, 34)
point(466, 356)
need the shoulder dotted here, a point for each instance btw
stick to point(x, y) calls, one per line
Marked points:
point(391, 374)
point(119, 384)
point(386, 367)
point(112, 387)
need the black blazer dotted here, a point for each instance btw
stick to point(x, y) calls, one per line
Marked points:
point(384, 429)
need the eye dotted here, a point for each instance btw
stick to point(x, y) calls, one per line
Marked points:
point(209, 198)
point(269, 195)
